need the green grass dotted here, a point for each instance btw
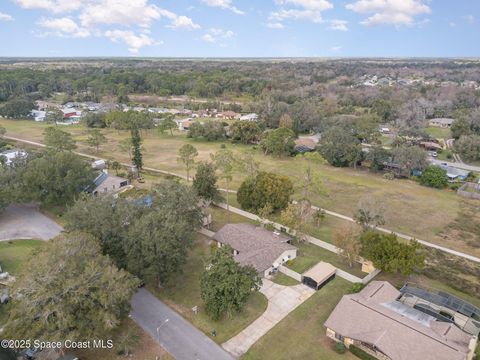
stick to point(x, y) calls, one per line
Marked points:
point(309, 255)
point(301, 334)
point(285, 280)
point(439, 133)
point(406, 200)
point(14, 253)
point(221, 217)
point(12, 257)
point(183, 293)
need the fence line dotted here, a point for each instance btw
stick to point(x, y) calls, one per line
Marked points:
point(290, 272)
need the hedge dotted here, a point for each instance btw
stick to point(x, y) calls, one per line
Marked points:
point(360, 353)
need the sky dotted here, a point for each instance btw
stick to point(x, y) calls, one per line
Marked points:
point(240, 28)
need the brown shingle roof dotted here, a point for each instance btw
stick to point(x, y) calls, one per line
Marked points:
point(256, 246)
point(374, 316)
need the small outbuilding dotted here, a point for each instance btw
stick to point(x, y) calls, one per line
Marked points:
point(319, 275)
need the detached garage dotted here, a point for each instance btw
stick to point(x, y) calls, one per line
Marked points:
point(319, 275)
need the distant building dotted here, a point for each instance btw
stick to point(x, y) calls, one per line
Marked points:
point(441, 122)
point(249, 117)
point(11, 155)
point(396, 325)
point(38, 115)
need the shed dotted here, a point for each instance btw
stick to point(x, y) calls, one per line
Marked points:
point(319, 275)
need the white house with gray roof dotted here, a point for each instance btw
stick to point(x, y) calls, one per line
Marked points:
point(256, 246)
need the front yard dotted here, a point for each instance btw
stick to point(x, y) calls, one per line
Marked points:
point(301, 334)
point(183, 293)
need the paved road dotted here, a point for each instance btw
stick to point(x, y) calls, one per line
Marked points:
point(333, 213)
point(22, 221)
point(457, 165)
point(180, 338)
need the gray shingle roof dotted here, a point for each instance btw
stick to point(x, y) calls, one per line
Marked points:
point(256, 246)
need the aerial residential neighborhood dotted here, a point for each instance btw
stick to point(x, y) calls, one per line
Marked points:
point(239, 180)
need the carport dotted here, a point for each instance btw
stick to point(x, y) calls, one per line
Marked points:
point(319, 275)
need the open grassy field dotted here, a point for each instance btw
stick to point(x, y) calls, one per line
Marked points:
point(183, 293)
point(14, 253)
point(410, 208)
point(301, 334)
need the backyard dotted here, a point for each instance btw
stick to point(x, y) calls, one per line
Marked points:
point(182, 293)
point(406, 201)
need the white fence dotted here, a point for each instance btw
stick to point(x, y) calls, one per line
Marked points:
point(290, 272)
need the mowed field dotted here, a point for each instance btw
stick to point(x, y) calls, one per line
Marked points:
point(428, 214)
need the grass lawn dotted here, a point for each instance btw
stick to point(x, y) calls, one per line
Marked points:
point(439, 133)
point(406, 201)
point(310, 254)
point(301, 334)
point(12, 256)
point(183, 293)
point(13, 253)
point(221, 217)
point(285, 280)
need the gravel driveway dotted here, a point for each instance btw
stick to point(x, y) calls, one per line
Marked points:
point(24, 221)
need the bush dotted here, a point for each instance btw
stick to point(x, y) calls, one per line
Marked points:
point(360, 353)
point(389, 176)
point(340, 348)
point(434, 176)
point(356, 287)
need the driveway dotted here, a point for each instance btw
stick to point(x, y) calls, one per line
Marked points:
point(24, 221)
point(281, 301)
point(176, 335)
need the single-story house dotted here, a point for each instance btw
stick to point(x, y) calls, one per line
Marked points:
point(441, 122)
point(454, 173)
point(249, 117)
point(184, 124)
point(305, 144)
point(256, 246)
point(105, 183)
point(378, 321)
point(11, 155)
point(229, 115)
point(38, 115)
point(431, 146)
point(319, 275)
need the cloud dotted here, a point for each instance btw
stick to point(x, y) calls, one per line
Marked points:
point(336, 49)
point(224, 4)
point(5, 17)
point(338, 25)
point(390, 12)
point(183, 22)
point(64, 27)
point(135, 42)
point(275, 25)
point(213, 35)
point(55, 6)
point(310, 10)
point(120, 19)
point(470, 18)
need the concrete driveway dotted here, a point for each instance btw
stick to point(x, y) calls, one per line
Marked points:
point(281, 301)
point(24, 221)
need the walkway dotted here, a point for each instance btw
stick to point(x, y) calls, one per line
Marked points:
point(281, 301)
point(332, 213)
point(176, 335)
